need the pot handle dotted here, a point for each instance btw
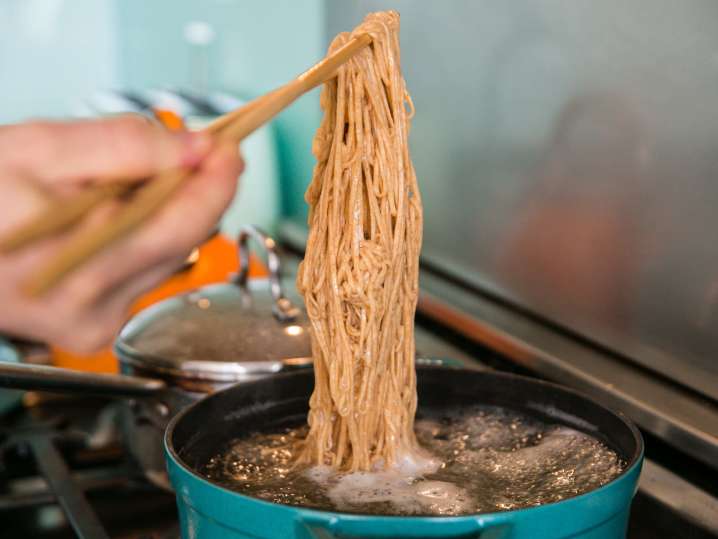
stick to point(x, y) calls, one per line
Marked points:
point(59, 380)
point(283, 309)
point(477, 527)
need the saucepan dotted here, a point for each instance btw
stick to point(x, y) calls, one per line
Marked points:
point(210, 511)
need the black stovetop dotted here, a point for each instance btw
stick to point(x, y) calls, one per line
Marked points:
point(64, 457)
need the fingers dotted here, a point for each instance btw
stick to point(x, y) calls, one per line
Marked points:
point(19, 197)
point(196, 209)
point(122, 147)
point(185, 221)
point(189, 217)
point(86, 309)
point(101, 324)
point(83, 329)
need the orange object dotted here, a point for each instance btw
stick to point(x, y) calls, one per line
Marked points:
point(169, 119)
point(215, 260)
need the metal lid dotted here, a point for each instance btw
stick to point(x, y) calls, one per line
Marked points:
point(224, 332)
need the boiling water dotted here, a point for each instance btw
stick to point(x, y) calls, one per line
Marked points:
point(483, 460)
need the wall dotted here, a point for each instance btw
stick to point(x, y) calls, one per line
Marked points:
point(53, 52)
point(258, 46)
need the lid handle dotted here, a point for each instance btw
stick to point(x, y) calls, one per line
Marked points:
point(282, 309)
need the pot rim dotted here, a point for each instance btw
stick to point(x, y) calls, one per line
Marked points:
point(634, 461)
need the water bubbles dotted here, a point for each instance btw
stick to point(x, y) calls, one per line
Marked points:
point(478, 460)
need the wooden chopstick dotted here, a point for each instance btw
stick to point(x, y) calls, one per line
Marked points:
point(86, 243)
point(230, 128)
point(275, 101)
point(60, 214)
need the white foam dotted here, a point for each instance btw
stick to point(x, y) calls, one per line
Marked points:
point(416, 464)
point(402, 486)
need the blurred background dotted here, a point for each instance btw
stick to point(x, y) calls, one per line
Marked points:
point(567, 152)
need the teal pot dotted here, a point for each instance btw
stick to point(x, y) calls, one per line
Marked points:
point(9, 398)
point(209, 511)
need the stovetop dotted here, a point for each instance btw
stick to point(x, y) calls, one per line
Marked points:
point(64, 472)
point(64, 457)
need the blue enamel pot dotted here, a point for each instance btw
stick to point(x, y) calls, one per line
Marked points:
point(9, 398)
point(209, 511)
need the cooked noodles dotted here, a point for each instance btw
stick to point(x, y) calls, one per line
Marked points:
point(359, 278)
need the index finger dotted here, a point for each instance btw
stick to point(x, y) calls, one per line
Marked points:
point(121, 147)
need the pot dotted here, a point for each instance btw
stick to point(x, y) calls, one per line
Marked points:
point(210, 511)
point(9, 399)
point(181, 349)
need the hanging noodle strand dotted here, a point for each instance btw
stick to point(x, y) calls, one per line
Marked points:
point(359, 278)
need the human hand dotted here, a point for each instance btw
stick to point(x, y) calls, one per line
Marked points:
point(41, 159)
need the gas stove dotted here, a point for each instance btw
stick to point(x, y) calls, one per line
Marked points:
point(64, 472)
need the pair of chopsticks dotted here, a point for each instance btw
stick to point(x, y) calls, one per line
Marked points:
point(150, 196)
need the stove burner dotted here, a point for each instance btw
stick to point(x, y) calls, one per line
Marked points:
point(69, 495)
point(63, 473)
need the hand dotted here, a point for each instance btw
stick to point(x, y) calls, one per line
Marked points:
point(42, 158)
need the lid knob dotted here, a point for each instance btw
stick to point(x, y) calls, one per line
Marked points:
point(283, 309)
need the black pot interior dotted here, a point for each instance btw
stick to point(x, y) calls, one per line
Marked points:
point(205, 428)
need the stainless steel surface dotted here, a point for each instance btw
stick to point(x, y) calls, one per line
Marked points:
point(432, 350)
point(283, 309)
point(143, 423)
point(672, 491)
point(685, 419)
point(221, 333)
point(56, 379)
point(567, 154)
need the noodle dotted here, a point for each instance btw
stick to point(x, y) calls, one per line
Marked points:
point(359, 278)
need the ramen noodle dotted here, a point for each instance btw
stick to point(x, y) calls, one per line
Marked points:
point(359, 277)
